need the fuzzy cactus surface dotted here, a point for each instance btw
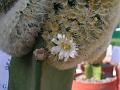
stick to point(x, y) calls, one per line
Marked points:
point(5, 5)
point(87, 22)
point(31, 24)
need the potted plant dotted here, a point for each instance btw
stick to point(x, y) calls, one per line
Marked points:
point(95, 77)
point(71, 31)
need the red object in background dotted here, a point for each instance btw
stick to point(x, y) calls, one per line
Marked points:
point(118, 75)
point(107, 69)
point(112, 85)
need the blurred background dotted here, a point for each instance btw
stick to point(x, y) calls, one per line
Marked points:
point(4, 67)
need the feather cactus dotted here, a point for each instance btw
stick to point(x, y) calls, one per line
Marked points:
point(5, 5)
point(86, 22)
point(31, 24)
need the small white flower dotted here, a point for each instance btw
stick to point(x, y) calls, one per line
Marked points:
point(65, 48)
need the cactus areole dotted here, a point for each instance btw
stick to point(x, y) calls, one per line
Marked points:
point(73, 30)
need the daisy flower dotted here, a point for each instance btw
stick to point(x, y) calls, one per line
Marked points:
point(65, 48)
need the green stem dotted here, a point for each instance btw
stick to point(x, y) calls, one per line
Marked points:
point(88, 71)
point(97, 71)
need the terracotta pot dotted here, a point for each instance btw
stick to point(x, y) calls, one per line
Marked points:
point(111, 85)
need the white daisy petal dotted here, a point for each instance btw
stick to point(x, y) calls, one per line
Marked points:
point(66, 58)
point(63, 36)
point(59, 36)
point(55, 41)
point(66, 54)
point(75, 52)
point(61, 55)
point(71, 41)
point(55, 50)
point(72, 55)
point(76, 49)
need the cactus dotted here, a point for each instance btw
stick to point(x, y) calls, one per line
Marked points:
point(35, 22)
point(93, 71)
point(38, 76)
point(5, 5)
point(26, 74)
point(88, 71)
point(97, 71)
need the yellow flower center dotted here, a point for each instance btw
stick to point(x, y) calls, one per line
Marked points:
point(65, 46)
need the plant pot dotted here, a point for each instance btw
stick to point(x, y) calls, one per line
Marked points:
point(110, 85)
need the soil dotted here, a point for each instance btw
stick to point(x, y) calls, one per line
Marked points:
point(82, 78)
